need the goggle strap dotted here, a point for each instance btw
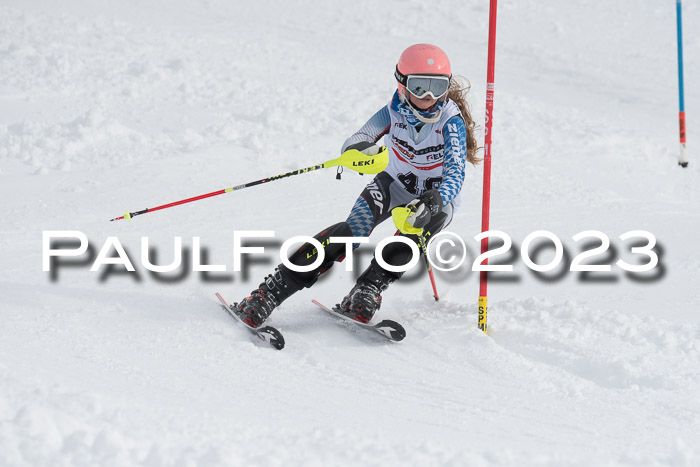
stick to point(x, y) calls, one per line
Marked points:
point(400, 77)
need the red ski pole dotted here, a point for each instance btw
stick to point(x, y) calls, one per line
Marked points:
point(352, 159)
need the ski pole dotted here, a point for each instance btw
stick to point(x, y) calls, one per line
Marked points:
point(352, 159)
point(427, 264)
point(424, 249)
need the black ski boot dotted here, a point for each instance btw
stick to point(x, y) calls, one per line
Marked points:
point(366, 297)
point(256, 308)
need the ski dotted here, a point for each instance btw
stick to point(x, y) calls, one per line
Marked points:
point(267, 333)
point(386, 328)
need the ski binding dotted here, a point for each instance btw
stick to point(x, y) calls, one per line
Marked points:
point(267, 333)
point(386, 328)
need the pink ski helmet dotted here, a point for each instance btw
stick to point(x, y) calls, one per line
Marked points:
point(421, 59)
point(424, 60)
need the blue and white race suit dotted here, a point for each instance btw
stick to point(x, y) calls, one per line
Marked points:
point(422, 156)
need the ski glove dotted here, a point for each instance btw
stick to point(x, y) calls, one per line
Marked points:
point(412, 218)
point(432, 200)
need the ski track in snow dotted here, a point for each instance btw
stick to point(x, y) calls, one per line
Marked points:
point(107, 107)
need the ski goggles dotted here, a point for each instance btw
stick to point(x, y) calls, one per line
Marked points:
point(423, 85)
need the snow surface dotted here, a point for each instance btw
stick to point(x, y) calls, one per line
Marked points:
point(109, 106)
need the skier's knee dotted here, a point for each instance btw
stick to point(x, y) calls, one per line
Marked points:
point(308, 253)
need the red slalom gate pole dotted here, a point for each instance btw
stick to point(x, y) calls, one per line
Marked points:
point(486, 198)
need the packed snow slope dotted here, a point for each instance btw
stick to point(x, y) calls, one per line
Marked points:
point(114, 106)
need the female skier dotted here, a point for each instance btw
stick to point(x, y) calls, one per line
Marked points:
point(429, 132)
